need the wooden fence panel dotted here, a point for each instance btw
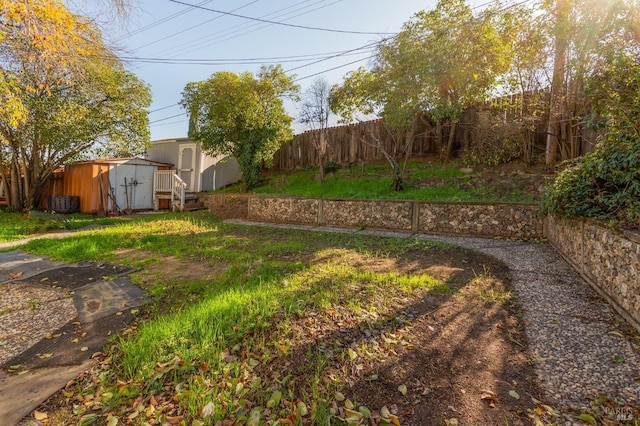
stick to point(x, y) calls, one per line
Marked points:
point(353, 143)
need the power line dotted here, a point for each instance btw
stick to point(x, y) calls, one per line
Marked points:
point(163, 108)
point(278, 23)
point(334, 68)
point(169, 123)
point(218, 37)
point(163, 20)
point(194, 26)
point(167, 118)
point(245, 61)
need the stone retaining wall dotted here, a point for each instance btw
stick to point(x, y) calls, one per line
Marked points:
point(608, 260)
point(520, 221)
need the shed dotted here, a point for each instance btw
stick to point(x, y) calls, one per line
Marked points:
point(199, 170)
point(112, 184)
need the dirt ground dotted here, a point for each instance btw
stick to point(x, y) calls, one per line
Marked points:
point(461, 356)
point(449, 359)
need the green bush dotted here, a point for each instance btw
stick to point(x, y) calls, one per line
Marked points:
point(603, 185)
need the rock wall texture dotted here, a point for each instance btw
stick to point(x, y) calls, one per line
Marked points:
point(368, 214)
point(608, 260)
point(520, 221)
point(481, 219)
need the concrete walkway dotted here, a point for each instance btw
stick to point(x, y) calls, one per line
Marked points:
point(54, 317)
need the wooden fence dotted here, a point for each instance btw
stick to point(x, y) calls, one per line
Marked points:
point(482, 128)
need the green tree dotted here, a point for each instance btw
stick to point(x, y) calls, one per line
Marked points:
point(70, 95)
point(585, 33)
point(241, 115)
point(442, 61)
point(605, 184)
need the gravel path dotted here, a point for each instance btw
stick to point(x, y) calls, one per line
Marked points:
point(568, 325)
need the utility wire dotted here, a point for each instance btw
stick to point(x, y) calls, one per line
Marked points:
point(225, 34)
point(503, 9)
point(163, 108)
point(167, 118)
point(163, 20)
point(169, 123)
point(193, 26)
point(278, 23)
point(245, 61)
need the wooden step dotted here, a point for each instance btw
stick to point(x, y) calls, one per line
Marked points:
point(198, 205)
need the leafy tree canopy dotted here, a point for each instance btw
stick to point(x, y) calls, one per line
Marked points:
point(442, 61)
point(241, 115)
point(65, 96)
point(605, 184)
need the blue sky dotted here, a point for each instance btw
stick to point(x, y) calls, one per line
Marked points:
point(168, 44)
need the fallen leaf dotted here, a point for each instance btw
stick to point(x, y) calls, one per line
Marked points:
point(302, 409)
point(207, 410)
point(274, 401)
point(175, 419)
point(385, 413)
point(353, 416)
point(349, 405)
point(364, 411)
point(87, 419)
point(338, 396)
point(39, 415)
point(587, 418)
point(394, 420)
point(514, 394)
point(352, 354)
point(402, 389)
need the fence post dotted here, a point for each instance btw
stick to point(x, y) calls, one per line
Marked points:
point(415, 219)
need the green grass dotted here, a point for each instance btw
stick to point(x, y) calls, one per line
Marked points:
point(223, 340)
point(15, 226)
point(375, 182)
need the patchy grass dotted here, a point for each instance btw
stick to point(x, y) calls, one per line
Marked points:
point(424, 180)
point(273, 326)
point(16, 226)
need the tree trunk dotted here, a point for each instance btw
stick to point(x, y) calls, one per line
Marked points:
point(561, 13)
point(16, 184)
point(439, 138)
point(452, 132)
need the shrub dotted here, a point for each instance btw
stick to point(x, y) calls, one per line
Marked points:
point(603, 185)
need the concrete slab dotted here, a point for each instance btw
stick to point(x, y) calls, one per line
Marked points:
point(18, 264)
point(77, 275)
point(98, 300)
point(21, 394)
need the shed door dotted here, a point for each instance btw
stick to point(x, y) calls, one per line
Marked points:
point(117, 175)
point(138, 194)
point(143, 188)
point(187, 164)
